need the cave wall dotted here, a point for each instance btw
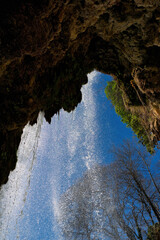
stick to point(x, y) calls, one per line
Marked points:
point(47, 48)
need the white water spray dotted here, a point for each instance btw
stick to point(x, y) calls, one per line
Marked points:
point(13, 194)
point(73, 145)
point(67, 148)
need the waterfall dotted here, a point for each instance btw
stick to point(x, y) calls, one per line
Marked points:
point(73, 145)
point(13, 194)
point(66, 149)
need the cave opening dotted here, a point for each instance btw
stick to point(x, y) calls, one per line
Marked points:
point(47, 49)
point(68, 146)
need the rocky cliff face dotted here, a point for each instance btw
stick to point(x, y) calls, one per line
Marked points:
point(48, 47)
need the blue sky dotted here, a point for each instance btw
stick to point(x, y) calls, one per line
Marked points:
point(70, 145)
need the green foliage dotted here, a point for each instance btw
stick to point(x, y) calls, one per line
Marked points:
point(114, 94)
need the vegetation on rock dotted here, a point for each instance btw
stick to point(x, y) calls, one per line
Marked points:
point(115, 94)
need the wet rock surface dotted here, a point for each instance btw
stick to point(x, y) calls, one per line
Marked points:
point(48, 47)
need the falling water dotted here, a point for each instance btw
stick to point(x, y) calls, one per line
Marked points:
point(67, 148)
point(13, 194)
point(72, 145)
